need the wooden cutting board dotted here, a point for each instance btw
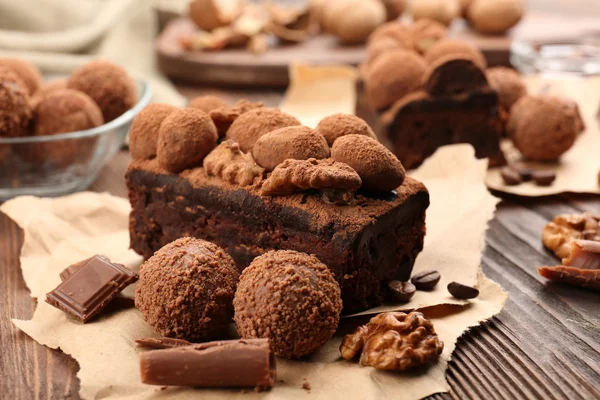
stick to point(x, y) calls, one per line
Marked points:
point(239, 67)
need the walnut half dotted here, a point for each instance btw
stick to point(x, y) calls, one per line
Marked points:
point(394, 341)
point(558, 234)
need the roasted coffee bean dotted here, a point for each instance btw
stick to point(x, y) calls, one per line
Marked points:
point(401, 292)
point(525, 173)
point(462, 292)
point(510, 176)
point(544, 178)
point(426, 280)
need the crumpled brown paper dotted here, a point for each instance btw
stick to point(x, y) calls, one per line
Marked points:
point(577, 170)
point(58, 232)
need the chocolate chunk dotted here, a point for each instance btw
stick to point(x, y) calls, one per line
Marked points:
point(462, 292)
point(70, 270)
point(90, 288)
point(162, 343)
point(544, 178)
point(230, 363)
point(426, 280)
point(510, 176)
point(401, 292)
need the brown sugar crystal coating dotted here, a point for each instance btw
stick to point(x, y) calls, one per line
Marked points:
point(15, 109)
point(292, 299)
point(250, 126)
point(66, 110)
point(378, 168)
point(508, 84)
point(207, 103)
point(108, 85)
point(292, 142)
point(543, 128)
point(385, 82)
point(28, 72)
point(143, 134)
point(447, 47)
point(186, 290)
point(337, 125)
point(185, 137)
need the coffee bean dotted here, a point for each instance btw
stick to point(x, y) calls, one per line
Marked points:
point(525, 173)
point(544, 178)
point(462, 292)
point(510, 176)
point(426, 280)
point(401, 292)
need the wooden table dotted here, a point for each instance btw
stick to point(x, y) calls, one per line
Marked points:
point(545, 343)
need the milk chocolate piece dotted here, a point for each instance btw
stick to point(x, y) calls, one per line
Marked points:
point(90, 288)
point(229, 363)
point(71, 269)
point(162, 343)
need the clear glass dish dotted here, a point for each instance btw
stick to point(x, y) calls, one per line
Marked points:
point(55, 165)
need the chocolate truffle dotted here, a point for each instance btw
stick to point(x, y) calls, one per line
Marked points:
point(447, 47)
point(186, 290)
point(15, 109)
point(108, 85)
point(291, 298)
point(395, 30)
point(292, 142)
point(30, 74)
point(207, 103)
point(385, 82)
point(143, 134)
point(250, 126)
point(508, 84)
point(378, 168)
point(46, 89)
point(381, 46)
point(425, 33)
point(336, 125)
point(542, 127)
point(185, 137)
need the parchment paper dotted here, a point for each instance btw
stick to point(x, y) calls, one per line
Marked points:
point(578, 168)
point(61, 231)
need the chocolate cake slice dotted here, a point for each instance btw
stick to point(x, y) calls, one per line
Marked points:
point(365, 244)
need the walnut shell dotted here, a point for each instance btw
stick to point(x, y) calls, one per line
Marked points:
point(211, 14)
point(352, 21)
point(495, 16)
point(443, 11)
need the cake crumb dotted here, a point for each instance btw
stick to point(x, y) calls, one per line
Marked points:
point(306, 386)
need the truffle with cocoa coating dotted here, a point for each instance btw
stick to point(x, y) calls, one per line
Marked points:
point(223, 117)
point(250, 126)
point(508, 84)
point(394, 30)
point(107, 84)
point(207, 103)
point(542, 127)
point(186, 290)
point(292, 299)
point(143, 134)
point(292, 142)
point(378, 168)
point(425, 33)
point(46, 89)
point(31, 75)
point(446, 47)
point(379, 47)
point(185, 137)
point(386, 82)
point(15, 109)
point(337, 125)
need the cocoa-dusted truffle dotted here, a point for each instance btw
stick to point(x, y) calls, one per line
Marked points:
point(207, 103)
point(108, 85)
point(337, 125)
point(379, 47)
point(292, 299)
point(250, 126)
point(542, 127)
point(66, 110)
point(223, 117)
point(385, 82)
point(425, 33)
point(508, 84)
point(15, 109)
point(143, 134)
point(185, 137)
point(447, 47)
point(292, 142)
point(46, 89)
point(395, 30)
point(378, 168)
point(27, 71)
point(186, 290)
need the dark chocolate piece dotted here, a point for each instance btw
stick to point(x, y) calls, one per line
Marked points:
point(544, 178)
point(401, 292)
point(71, 269)
point(89, 289)
point(426, 280)
point(162, 343)
point(462, 292)
point(230, 363)
point(510, 176)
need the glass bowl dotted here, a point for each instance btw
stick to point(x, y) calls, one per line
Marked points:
point(54, 165)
